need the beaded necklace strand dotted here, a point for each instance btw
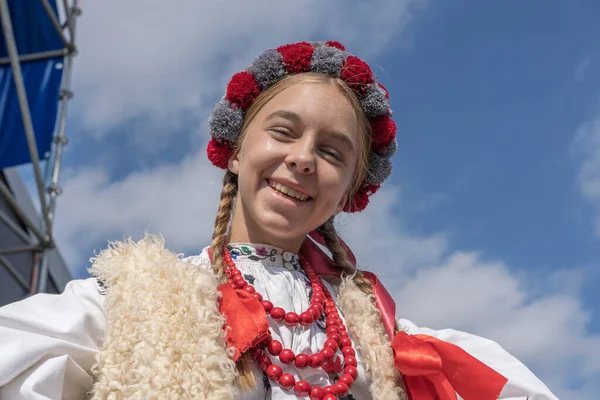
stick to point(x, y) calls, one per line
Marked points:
point(321, 303)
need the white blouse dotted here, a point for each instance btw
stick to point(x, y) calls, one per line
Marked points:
point(48, 343)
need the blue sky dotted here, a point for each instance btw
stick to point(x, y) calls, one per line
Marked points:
point(488, 99)
point(491, 220)
point(492, 100)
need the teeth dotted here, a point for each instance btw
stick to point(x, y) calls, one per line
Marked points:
point(289, 191)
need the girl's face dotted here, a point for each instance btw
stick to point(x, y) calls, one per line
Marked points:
point(295, 165)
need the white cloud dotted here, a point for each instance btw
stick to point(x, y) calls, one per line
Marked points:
point(586, 147)
point(155, 59)
point(177, 200)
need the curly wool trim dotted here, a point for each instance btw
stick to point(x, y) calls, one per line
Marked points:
point(165, 337)
point(367, 330)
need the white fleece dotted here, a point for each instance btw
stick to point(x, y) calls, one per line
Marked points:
point(165, 335)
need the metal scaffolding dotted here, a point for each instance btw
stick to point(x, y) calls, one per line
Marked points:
point(35, 234)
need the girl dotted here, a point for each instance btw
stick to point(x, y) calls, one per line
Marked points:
point(263, 312)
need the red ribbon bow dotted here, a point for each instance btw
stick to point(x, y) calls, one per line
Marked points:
point(436, 370)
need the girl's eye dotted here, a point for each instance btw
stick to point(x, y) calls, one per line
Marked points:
point(281, 132)
point(333, 154)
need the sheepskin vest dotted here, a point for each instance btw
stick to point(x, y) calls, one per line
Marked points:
point(165, 339)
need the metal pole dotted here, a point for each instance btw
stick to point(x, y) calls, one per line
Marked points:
point(14, 273)
point(68, 17)
point(43, 276)
point(15, 207)
point(20, 86)
point(37, 56)
point(61, 139)
point(15, 228)
point(54, 19)
point(21, 249)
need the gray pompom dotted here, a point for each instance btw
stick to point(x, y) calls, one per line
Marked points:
point(390, 150)
point(379, 169)
point(267, 68)
point(374, 101)
point(226, 122)
point(327, 60)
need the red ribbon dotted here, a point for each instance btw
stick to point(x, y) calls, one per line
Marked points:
point(436, 370)
point(246, 321)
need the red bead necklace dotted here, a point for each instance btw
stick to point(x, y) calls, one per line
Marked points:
point(337, 338)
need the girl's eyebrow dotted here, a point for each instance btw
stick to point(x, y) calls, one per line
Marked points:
point(295, 118)
point(285, 114)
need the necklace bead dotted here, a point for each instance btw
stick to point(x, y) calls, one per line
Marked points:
point(347, 379)
point(330, 390)
point(348, 351)
point(331, 344)
point(341, 388)
point(264, 362)
point(274, 347)
point(267, 305)
point(317, 393)
point(302, 388)
point(277, 313)
point(302, 361)
point(346, 342)
point(287, 356)
point(274, 372)
point(316, 360)
point(306, 319)
point(327, 353)
point(336, 337)
point(350, 360)
point(287, 381)
point(352, 371)
point(291, 318)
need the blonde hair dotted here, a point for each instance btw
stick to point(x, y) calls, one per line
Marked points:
point(246, 378)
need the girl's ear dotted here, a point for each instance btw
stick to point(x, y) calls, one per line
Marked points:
point(234, 163)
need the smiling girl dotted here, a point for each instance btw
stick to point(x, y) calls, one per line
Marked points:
point(274, 307)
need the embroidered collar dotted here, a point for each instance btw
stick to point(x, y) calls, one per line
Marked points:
point(269, 256)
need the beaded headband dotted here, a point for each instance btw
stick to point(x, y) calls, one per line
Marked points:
point(329, 58)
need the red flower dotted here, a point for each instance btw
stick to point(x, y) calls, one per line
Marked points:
point(296, 56)
point(384, 131)
point(242, 89)
point(337, 45)
point(357, 74)
point(361, 198)
point(219, 152)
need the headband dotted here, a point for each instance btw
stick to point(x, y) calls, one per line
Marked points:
point(329, 58)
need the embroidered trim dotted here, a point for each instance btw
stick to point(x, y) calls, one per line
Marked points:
point(269, 256)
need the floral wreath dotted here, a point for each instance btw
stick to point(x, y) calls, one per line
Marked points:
point(329, 58)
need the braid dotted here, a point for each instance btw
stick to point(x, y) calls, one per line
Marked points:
point(219, 237)
point(246, 378)
point(340, 257)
